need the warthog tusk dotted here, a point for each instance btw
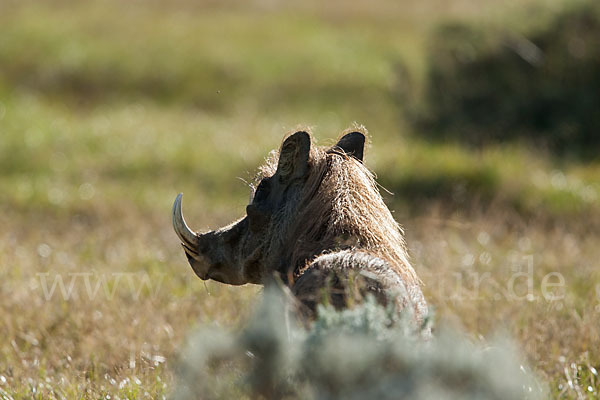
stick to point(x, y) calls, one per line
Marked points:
point(187, 236)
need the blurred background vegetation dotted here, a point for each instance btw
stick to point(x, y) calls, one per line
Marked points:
point(483, 118)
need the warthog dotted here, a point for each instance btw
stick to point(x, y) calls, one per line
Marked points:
point(317, 223)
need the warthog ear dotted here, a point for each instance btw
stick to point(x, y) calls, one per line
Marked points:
point(293, 156)
point(353, 144)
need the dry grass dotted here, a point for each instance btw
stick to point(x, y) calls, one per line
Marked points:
point(132, 302)
point(124, 340)
point(86, 185)
point(473, 269)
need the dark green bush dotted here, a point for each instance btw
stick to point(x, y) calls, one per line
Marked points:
point(488, 85)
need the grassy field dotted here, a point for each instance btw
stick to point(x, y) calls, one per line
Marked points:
point(108, 110)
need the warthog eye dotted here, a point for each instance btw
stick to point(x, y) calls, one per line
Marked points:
point(257, 218)
point(262, 191)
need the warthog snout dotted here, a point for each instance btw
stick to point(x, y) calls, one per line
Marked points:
point(211, 254)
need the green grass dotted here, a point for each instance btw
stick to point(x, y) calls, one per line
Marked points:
point(107, 111)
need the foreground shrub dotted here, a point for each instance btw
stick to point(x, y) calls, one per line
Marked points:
point(485, 85)
point(365, 352)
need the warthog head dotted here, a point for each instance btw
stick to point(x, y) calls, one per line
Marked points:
point(243, 251)
point(313, 209)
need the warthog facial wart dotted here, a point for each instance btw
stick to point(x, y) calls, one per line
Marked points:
point(316, 222)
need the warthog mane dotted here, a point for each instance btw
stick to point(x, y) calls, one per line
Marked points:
point(340, 208)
